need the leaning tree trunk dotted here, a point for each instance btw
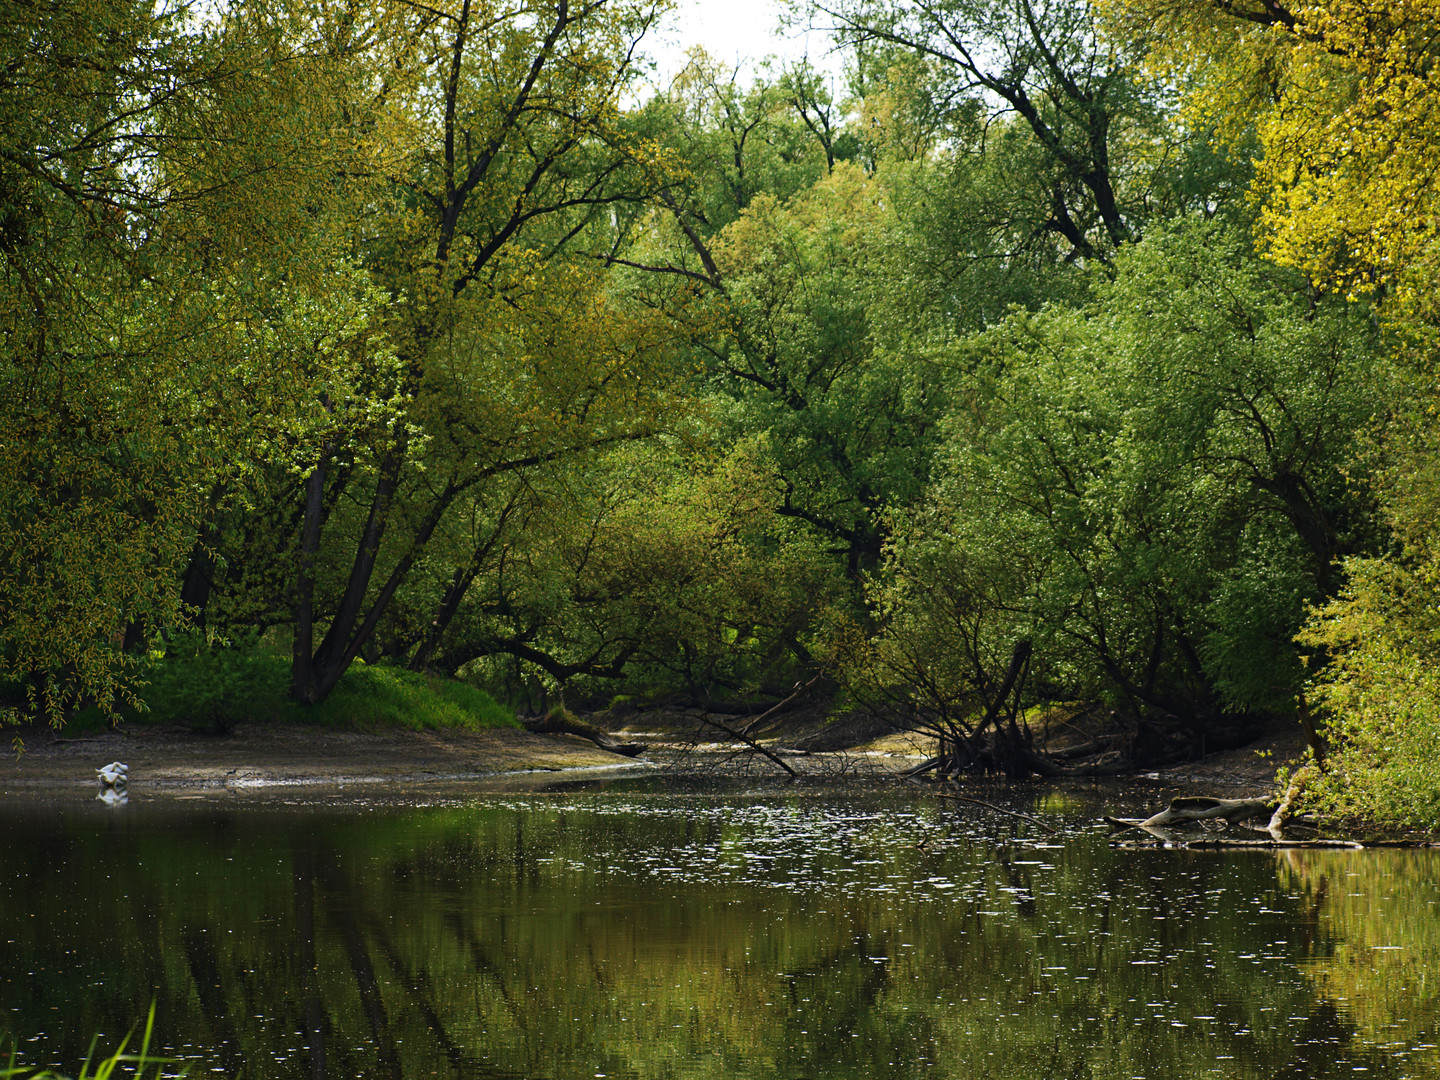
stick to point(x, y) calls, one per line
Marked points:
point(1009, 743)
point(1007, 747)
point(313, 676)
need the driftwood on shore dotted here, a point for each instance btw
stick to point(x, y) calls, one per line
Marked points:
point(742, 732)
point(558, 723)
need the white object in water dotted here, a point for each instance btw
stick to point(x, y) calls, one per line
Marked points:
point(114, 775)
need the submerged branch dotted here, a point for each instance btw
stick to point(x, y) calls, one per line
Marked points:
point(998, 810)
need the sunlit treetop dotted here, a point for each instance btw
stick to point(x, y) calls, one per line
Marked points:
point(1344, 102)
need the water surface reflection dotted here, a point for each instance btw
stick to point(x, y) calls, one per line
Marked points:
point(795, 933)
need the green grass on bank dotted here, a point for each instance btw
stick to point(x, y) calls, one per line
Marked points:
point(213, 689)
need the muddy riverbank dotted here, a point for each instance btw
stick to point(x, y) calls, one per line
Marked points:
point(260, 756)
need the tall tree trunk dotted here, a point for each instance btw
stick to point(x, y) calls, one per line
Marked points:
point(354, 624)
point(302, 672)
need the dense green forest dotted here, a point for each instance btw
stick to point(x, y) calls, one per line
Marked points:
point(1064, 353)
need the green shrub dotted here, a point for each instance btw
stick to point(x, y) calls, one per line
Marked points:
point(211, 688)
point(1381, 696)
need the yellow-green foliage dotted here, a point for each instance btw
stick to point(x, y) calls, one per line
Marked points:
point(678, 562)
point(1381, 636)
point(1381, 692)
point(1342, 99)
point(1340, 96)
point(147, 237)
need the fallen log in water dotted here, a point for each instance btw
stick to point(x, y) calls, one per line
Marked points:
point(1190, 810)
point(1193, 810)
point(1220, 843)
point(1202, 808)
point(1187, 809)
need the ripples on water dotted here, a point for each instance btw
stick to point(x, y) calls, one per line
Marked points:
point(798, 932)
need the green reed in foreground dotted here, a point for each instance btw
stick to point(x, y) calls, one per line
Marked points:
point(104, 1069)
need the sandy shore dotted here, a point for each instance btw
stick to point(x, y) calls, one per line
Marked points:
point(256, 756)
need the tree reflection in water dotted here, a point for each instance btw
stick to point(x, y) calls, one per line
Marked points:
point(798, 935)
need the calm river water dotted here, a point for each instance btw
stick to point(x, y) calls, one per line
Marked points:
point(782, 933)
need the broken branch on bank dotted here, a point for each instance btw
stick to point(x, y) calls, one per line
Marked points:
point(561, 723)
point(743, 733)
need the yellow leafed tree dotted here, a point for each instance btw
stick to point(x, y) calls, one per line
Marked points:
point(1344, 100)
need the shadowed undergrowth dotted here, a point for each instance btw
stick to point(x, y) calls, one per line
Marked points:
point(213, 689)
